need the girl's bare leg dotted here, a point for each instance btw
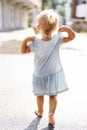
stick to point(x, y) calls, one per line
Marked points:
point(40, 102)
point(52, 108)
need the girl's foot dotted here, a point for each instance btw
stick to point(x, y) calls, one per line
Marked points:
point(38, 114)
point(51, 120)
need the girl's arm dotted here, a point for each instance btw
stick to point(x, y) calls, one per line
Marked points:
point(25, 48)
point(71, 34)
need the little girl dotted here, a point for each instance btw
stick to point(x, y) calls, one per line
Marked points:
point(48, 77)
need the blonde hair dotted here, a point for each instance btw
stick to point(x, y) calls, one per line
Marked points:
point(48, 21)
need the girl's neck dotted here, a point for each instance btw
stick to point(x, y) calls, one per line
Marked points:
point(46, 37)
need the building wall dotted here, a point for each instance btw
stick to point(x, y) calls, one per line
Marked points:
point(75, 9)
point(13, 16)
point(0, 15)
point(81, 11)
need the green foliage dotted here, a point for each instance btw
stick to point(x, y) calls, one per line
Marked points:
point(46, 4)
point(54, 4)
point(62, 2)
point(60, 9)
point(30, 18)
point(57, 5)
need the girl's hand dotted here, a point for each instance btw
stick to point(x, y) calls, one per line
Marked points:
point(30, 38)
point(64, 29)
point(71, 33)
point(25, 48)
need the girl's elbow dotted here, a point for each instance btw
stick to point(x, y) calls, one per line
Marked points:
point(72, 36)
point(23, 51)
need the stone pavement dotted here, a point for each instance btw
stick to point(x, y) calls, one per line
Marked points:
point(10, 42)
point(17, 102)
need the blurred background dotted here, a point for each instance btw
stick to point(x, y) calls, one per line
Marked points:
point(17, 14)
point(17, 102)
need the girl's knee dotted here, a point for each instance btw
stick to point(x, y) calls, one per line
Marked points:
point(53, 97)
point(40, 97)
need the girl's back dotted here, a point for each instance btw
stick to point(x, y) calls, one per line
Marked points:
point(47, 59)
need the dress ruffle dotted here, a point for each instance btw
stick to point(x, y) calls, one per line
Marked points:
point(50, 84)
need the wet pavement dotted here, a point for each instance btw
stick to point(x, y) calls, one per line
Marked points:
point(17, 102)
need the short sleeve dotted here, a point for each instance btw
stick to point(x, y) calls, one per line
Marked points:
point(60, 36)
point(32, 46)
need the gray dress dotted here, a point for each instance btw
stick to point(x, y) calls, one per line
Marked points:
point(48, 77)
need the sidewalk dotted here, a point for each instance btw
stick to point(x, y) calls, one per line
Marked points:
point(17, 102)
point(16, 34)
point(10, 42)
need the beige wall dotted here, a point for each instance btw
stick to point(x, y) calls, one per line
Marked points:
point(14, 14)
point(0, 14)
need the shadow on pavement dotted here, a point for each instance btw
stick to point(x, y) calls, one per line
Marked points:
point(50, 127)
point(34, 124)
point(47, 128)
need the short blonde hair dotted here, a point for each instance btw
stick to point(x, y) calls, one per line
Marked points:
point(48, 21)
